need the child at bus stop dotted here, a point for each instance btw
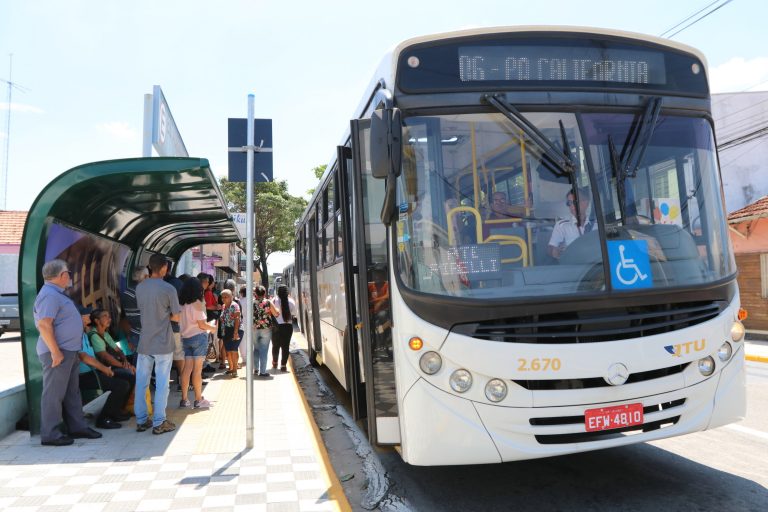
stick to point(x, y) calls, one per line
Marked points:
point(230, 325)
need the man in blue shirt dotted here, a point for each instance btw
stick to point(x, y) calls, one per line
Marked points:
point(61, 333)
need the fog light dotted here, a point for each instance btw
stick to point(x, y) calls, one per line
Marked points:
point(725, 352)
point(706, 366)
point(430, 363)
point(415, 343)
point(737, 331)
point(495, 390)
point(461, 381)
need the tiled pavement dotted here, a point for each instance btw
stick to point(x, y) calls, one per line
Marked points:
point(201, 465)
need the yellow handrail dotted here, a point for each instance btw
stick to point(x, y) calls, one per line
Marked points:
point(511, 240)
point(478, 222)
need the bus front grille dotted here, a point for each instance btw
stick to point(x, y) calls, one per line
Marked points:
point(580, 437)
point(594, 326)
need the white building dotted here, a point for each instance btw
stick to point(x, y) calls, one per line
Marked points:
point(741, 128)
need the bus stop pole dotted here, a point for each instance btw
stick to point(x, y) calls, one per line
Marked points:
point(248, 313)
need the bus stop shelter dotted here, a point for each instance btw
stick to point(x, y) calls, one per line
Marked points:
point(106, 219)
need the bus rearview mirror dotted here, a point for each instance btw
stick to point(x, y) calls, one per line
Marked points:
point(385, 142)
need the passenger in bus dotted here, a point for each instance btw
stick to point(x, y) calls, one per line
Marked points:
point(501, 209)
point(194, 338)
point(60, 341)
point(230, 327)
point(568, 230)
point(113, 411)
point(264, 314)
point(281, 341)
point(158, 304)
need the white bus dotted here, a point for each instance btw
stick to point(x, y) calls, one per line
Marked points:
point(520, 249)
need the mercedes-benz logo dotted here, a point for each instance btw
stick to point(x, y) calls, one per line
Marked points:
point(617, 374)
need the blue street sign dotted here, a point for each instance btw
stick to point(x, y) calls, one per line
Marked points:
point(262, 161)
point(630, 264)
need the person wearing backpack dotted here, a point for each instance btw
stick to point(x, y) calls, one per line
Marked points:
point(282, 338)
point(264, 313)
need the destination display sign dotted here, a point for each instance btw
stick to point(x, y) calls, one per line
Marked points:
point(557, 63)
point(549, 62)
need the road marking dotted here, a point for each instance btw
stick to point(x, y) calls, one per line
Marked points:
point(749, 431)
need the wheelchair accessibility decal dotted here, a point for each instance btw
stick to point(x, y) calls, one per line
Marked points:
point(630, 264)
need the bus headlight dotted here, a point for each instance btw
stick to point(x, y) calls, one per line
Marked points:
point(737, 331)
point(725, 352)
point(495, 390)
point(430, 362)
point(707, 366)
point(461, 380)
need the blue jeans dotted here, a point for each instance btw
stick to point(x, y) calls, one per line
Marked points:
point(261, 349)
point(144, 364)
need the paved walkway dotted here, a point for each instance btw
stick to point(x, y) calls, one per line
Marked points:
point(201, 465)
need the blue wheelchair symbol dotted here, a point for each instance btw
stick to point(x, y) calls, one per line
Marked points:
point(630, 264)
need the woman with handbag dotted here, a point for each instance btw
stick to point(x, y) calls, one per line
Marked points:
point(194, 341)
point(264, 313)
point(281, 339)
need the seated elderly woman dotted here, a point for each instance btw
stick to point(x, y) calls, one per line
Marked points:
point(95, 375)
point(107, 350)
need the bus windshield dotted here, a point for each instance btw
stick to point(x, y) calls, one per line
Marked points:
point(485, 212)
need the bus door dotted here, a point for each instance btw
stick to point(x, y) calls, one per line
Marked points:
point(314, 344)
point(353, 368)
point(372, 308)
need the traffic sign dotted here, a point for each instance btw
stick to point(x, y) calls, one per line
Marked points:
point(237, 142)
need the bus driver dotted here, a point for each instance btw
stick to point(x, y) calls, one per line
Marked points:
point(568, 230)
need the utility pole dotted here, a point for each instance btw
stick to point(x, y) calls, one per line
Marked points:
point(11, 86)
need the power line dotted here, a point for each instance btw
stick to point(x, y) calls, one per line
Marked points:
point(686, 19)
point(699, 18)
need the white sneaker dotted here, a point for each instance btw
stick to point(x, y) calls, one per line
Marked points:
point(202, 404)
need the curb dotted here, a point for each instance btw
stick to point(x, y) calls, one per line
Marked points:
point(756, 359)
point(336, 491)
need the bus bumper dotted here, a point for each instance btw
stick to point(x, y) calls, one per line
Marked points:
point(444, 429)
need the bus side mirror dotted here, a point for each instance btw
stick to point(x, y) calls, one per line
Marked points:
point(385, 142)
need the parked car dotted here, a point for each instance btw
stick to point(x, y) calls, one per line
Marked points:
point(9, 312)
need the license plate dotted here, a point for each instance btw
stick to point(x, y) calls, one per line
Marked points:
point(609, 418)
point(5, 322)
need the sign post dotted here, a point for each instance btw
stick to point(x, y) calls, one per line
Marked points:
point(258, 159)
point(249, 280)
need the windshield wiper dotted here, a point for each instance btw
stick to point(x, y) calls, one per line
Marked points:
point(636, 148)
point(564, 164)
point(627, 165)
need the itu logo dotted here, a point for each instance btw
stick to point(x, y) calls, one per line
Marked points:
point(683, 349)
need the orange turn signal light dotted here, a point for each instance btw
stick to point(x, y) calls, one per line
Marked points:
point(415, 343)
point(743, 314)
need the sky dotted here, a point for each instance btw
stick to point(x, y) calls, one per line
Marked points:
point(85, 66)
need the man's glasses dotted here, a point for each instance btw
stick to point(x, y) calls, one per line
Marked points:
point(66, 272)
point(571, 202)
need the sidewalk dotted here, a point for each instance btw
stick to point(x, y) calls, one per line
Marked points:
point(201, 465)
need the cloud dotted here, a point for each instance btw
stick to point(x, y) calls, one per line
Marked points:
point(118, 130)
point(21, 107)
point(740, 74)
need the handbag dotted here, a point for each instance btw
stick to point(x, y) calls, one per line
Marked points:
point(211, 353)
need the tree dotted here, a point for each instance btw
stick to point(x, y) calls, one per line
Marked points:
point(275, 211)
point(318, 172)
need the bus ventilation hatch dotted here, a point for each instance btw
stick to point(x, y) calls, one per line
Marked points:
point(595, 325)
point(581, 437)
